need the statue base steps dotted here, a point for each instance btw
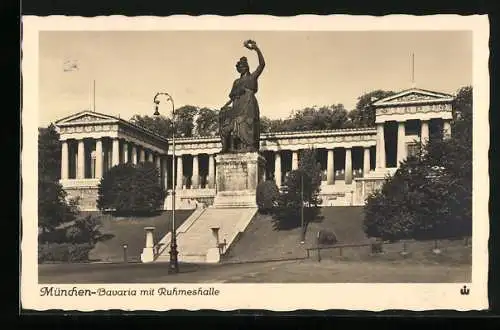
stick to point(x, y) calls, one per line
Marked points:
point(235, 199)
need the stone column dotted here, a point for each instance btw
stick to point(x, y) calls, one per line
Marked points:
point(142, 155)
point(330, 168)
point(348, 166)
point(150, 156)
point(211, 171)
point(277, 168)
point(180, 175)
point(93, 158)
point(295, 160)
point(115, 158)
point(134, 154)
point(98, 159)
point(81, 160)
point(64, 160)
point(401, 150)
point(380, 149)
point(424, 131)
point(158, 163)
point(195, 182)
point(366, 161)
point(446, 129)
point(125, 152)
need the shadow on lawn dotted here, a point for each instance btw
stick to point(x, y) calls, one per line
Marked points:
point(290, 220)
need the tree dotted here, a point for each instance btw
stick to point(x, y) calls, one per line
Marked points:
point(207, 122)
point(317, 118)
point(84, 230)
point(185, 120)
point(268, 125)
point(267, 195)
point(301, 187)
point(190, 121)
point(53, 206)
point(364, 113)
point(160, 125)
point(462, 104)
point(131, 189)
point(49, 153)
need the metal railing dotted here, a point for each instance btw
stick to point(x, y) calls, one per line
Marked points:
point(375, 246)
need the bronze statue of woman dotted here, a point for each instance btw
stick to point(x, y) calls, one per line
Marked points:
point(239, 125)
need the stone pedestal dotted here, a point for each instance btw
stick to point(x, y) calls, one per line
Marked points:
point(237, 177)
point(213, 256)
point(148, 251)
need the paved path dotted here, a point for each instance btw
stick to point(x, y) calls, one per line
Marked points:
point(328, 271)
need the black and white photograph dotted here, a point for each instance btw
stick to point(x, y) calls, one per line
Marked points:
point(206, 162)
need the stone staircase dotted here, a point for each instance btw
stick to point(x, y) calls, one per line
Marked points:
point(337, 194)
point(196, 241)
point(162, 247)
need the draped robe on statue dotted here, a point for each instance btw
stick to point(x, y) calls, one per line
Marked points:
point(240, 123)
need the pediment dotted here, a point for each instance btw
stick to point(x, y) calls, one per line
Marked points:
point(85, 117)
point(414, 96)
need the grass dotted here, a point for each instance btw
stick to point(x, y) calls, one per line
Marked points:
point(345, 221)
point(130, 231)
point(453, 252)
point(261, 242)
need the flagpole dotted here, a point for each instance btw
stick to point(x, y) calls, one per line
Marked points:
point(93, 95)
point(412, 70)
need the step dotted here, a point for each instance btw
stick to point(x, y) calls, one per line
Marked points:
point(183, 228)
point(192, 258)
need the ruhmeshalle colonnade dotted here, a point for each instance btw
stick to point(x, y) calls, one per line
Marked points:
point(353, 161)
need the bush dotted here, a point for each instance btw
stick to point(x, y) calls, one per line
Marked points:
point(326, 237)
point(84, 230)
point(128, 188)
point(57, 235)
point(64, 252)
point(267, 195)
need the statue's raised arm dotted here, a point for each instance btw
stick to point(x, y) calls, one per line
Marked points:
point(252, 45)
point(239, 123)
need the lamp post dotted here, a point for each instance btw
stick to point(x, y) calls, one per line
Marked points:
point(174, 264)
point(303, 236)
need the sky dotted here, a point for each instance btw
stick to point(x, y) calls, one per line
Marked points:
point(198, 68)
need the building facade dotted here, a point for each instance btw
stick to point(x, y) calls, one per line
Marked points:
point(92, 143)
point(354, 162)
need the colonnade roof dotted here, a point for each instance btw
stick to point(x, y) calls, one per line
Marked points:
point(293, 134)
point(87, 117)
point(414, 96)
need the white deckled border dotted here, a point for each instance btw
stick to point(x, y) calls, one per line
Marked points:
point(277, 297)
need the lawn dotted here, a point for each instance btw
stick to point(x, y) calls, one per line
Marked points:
point(452, 252)
point(130, 231)
point(261, 242)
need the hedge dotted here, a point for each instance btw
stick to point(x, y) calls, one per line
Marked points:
point(65, 252)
